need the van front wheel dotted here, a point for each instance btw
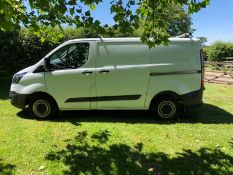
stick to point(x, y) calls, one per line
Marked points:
point(166, 107)
point(42, 107)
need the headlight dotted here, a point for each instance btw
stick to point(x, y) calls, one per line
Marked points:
point(17, 78)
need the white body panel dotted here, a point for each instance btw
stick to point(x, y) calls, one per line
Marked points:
point(177, 57)
point(128, 74)
point(30, 84)
point(135, 74)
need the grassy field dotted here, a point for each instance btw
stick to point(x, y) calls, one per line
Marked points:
point(120, 142)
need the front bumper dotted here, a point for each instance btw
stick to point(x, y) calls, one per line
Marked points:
point(193, 99)
point(18, 100)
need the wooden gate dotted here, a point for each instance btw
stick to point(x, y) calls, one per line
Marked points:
point(219, 72)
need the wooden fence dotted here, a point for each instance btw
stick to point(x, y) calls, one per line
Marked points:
point(219, 72)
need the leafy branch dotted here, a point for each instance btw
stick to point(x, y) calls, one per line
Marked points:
point(36, 13)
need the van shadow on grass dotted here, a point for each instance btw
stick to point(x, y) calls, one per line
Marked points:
point(6, 169)
point(93, 154)
point(207, 114)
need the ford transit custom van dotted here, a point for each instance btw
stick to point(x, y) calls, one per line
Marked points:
point(110, 74)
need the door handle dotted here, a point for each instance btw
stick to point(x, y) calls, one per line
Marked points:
point(87, 72)
point(104, 71)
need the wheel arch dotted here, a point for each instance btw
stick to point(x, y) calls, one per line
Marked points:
point(171, 94)
point(40, 93)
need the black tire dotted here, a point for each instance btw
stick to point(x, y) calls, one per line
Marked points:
point(42, 107)
point(165, 107)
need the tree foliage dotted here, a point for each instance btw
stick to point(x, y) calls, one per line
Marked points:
point(203, 39)
point(178, 21)
point(19, 50)
point(36, 13)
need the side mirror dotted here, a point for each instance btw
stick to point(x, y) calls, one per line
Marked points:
point(47, 65)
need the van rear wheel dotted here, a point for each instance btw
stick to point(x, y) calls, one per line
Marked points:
point(165, 107)
point(42, 107)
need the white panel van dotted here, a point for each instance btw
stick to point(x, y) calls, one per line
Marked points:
point(113, 73)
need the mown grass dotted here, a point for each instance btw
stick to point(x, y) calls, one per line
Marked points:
point(121, 142)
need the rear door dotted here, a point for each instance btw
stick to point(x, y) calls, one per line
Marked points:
point(122, 75)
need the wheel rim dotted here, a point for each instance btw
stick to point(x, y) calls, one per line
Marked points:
point(166, 109)
point(41, 108)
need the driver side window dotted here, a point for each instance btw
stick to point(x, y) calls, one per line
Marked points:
point(72, 56)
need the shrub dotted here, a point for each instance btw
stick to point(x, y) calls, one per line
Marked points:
point(219, 50)
point(20, 49)
point(206, 50)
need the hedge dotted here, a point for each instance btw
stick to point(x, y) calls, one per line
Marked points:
point(20, 49)
point(219, 51)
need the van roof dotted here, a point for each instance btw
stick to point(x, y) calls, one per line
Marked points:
point(175, 39)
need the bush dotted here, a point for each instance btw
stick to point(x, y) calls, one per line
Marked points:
point(206, 50)
point(20, 49)
point(219, 51)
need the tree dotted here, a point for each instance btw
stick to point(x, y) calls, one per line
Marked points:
point(203, 39)
point(178, 22)
point(36, 13)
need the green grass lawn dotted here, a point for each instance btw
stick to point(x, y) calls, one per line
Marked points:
point(121, 142)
